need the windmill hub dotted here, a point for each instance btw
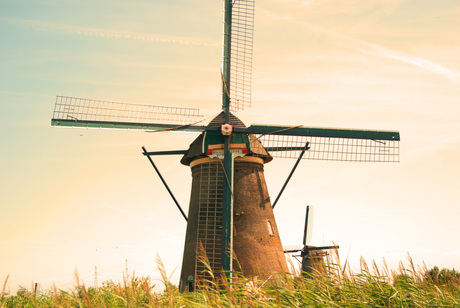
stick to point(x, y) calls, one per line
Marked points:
point(226, 129)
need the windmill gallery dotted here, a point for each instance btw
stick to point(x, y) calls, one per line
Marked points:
point(230, 218)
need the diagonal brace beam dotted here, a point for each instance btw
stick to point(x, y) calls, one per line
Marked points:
point(164, 183)
point(290, 175)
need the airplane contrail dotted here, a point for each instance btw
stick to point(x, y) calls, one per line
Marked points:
point(48, 26)
point(373, 49)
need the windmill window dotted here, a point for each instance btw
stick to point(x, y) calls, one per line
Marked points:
point(270, 228)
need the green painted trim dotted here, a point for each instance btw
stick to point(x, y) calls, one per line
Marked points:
point(132, 126)
point(227, 219)
point(227, 210)
point(253, 129)
point(321, 132)
point(226, 57)
point(174, 152)
point(212, 138)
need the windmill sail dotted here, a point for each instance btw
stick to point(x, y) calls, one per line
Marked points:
point(90, 113)
point(308, 230)
point(329, 143)
point(331, 148)
point(242, 34)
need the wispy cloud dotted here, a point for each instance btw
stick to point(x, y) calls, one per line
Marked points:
point(433, 146)
point(453, 253)
point(371, 48)
point(47, 26)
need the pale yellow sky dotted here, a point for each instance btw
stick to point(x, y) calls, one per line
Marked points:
point(77, 199)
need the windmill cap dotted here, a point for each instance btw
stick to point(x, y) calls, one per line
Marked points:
point(220, 119)
point(198, 148)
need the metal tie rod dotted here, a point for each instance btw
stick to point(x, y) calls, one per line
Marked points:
point(164, 183)
point(292, 172)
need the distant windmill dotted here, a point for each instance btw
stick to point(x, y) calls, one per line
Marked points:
point(230, 217)
point(312, 256)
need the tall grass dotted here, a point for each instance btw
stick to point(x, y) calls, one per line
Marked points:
point(333, 286)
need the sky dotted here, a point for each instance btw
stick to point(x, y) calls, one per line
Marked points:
point(89, 201)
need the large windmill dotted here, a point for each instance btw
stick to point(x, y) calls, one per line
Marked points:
point(230, 217)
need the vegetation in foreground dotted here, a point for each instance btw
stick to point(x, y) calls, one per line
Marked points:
point(371, 287)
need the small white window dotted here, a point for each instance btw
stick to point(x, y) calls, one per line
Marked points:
point(270, 228)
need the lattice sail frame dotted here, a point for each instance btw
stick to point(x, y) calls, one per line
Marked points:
point(81, 110)
point(209, 225)
point(330, 148)
point(242, 41)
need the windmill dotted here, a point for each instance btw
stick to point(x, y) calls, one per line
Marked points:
point(230, 217)
point(312, 256)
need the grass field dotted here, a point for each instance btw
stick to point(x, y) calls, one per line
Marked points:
point(336, 286)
